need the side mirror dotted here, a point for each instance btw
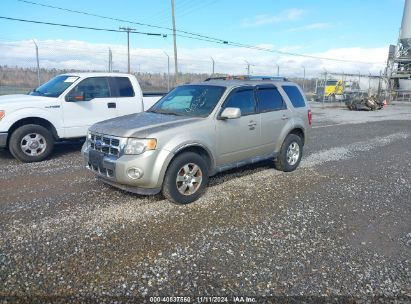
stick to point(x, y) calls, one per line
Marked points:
point(75, 96)
point(230, 113)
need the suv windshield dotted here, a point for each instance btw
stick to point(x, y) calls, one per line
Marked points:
point(189, 100)
point(55, 86)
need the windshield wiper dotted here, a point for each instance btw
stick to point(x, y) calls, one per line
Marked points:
point(174, 113)
point(38, 92)
point(165, 112)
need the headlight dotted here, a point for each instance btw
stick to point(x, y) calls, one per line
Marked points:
point(88, 140)
point(138, 146)
point(2, 114)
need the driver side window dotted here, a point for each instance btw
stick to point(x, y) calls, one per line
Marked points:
point(95, 87)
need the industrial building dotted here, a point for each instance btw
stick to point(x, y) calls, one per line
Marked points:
point(399, 58)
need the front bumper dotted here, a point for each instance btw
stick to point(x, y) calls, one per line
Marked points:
point(113, 170)
point(3, 140)
point(132, 189)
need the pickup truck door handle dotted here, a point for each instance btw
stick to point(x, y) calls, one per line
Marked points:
point(284, 117)
point(111, 105)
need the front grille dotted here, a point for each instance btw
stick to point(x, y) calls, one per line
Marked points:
point(107, 144)
point(103, 171)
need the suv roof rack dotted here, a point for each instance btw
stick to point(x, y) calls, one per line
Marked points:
point(246, 77)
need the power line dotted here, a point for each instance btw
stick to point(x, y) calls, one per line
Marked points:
point(164, 14)
point(79, 27)
point(194, 7)
point(297, 55)
point(203, 37)
point(114, 19)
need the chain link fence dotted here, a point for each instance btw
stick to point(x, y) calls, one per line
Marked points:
point(153, 68)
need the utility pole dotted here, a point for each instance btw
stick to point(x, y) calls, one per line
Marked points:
point(175, 42)
point(369, 83)
point(304, 78)
point(110, 60)
point(325, 85)
point(278, 70)
point(168, 72)
point(128, 30)
point(248, 67)
point(379, 85)
point(359, 82)
point(212, 59)
point(38, 63)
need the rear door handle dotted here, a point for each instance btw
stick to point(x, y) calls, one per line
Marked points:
point(111, 105)
point(252, 124)
point(284, 117)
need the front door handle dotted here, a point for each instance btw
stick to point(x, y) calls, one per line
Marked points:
point(111, 105)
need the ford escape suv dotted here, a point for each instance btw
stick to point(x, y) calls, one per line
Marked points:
point(198, 130)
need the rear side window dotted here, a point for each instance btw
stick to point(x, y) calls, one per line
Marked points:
point(124, 87)
point(243, 99)
point(295, 96)
point(269, 99)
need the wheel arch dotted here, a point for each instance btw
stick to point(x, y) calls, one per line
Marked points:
point(33, 121)
point(196, 148)
point(299, 132)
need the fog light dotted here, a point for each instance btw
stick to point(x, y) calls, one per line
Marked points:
point(135, 173)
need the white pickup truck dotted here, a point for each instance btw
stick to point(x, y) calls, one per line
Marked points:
point(64, 108)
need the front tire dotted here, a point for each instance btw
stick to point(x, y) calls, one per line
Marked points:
point(31, 143)
point(290, 154)
point(186, 178)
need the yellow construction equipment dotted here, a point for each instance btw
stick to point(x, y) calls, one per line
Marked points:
point(334, 89)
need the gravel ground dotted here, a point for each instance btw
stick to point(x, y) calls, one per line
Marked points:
point(338, 228)
point(337, 113)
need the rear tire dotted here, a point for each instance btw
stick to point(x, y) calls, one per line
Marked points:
point(290, 154)
point(186, 178)
point(31, 143)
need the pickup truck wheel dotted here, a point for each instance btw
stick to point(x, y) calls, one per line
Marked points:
point(290, 154)
point(186, 178)
point(31, 143)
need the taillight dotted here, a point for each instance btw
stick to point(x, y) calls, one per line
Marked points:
point(310, 117)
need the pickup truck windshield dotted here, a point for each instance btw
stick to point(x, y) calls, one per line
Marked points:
point(189, 100)
point(54, 87)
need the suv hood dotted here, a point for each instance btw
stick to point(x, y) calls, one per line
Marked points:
point(18, 100)
point(140, 125)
